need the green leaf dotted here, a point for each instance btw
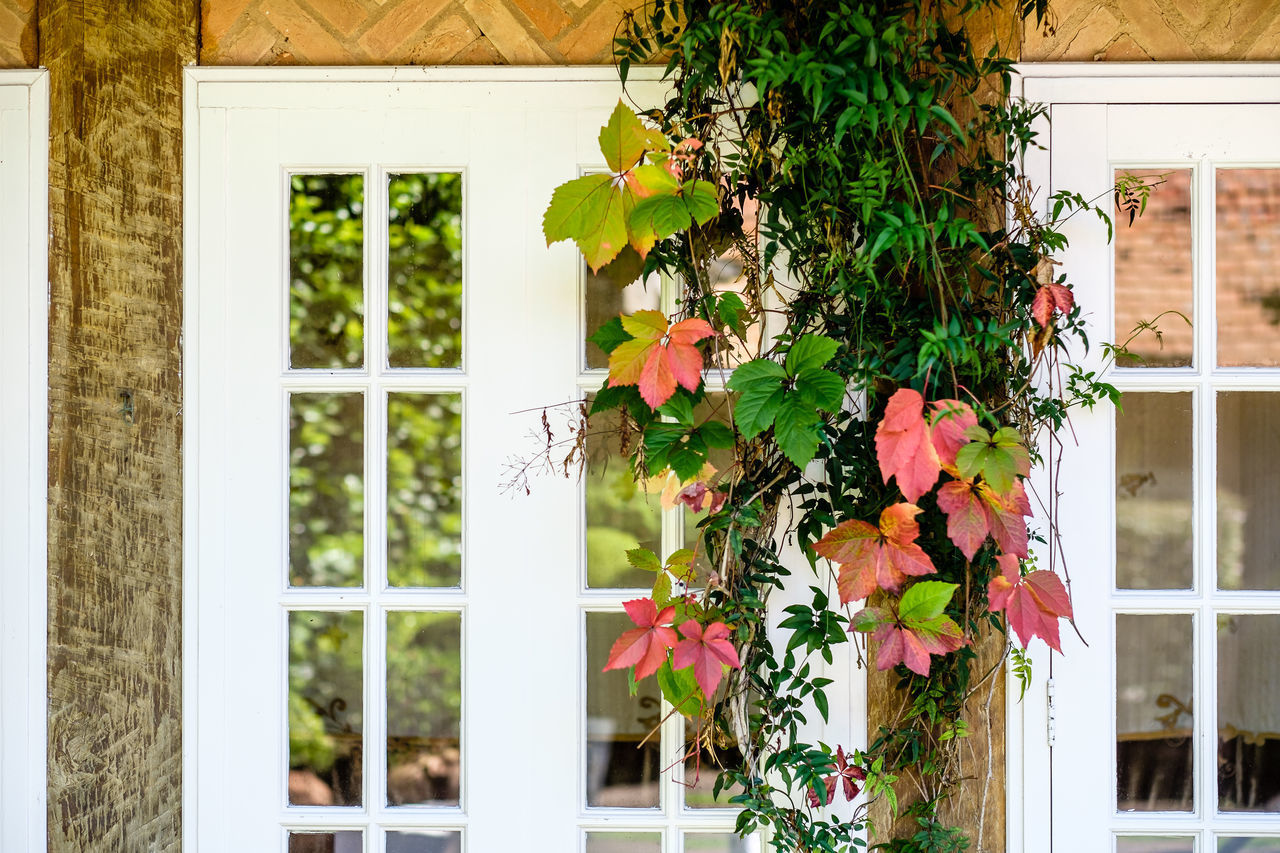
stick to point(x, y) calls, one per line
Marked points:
point(624, 269)
point(655, 180)
point(730, 308)
point(644, 559)
point(609, 335)
point(757, 408)
point(680, 688)
point(703, 201)
point(564, 217)
point(925, 600)
point(624, 139)
point(796, 428)
point(679, 408)
point(821, 389)
point(810, 352)
point(716, 434)
point(754, 372)
point(662, 590)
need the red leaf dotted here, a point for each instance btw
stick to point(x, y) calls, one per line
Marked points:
point(903, 448)
point(1005, 517)
point(872, 557)
point(1032, 604)
point(899, 645)
point(645, 646)
point(946, 429)
point(706, 651)
point(967, 524)
point(659, 357)
point(847, 773)
point(1049, 297)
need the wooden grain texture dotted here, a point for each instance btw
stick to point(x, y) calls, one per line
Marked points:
point(115, 486)
point(17, 33)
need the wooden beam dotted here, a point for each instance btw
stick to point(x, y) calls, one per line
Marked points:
point(115, 486)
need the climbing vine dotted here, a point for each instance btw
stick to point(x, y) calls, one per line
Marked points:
point(895, 354)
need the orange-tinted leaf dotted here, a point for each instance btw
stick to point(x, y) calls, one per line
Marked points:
point(1032, 604)
point(947, 424)
point(871, 557)
point(1048, 298)
point(658, 358)
point(644, 646)
point(707, 651)
point(903, 448)
point(1005, 517)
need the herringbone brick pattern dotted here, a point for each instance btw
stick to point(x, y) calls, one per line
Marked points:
point(1169, 30)
point(408, 32)
point(17, 33)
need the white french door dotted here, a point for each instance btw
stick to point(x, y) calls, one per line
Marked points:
point(1166, 726)
point(385, 651)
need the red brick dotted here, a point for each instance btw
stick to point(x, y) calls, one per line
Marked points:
point(307, 40)
point(403, 22)
point(546, 15)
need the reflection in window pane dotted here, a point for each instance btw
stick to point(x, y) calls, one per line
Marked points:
point(344, 841)
point(620, 516)
point(1247, 225)
point(1248, 490)
point(1249, 713)
point(1154, 844)
point(719, 842)
point(715, 408)
point(424, 490)
point(1153, 273)
point(326, 489)
point(1153, 491)
point(621, 772)
point(708, 749)
point(326, 707)
point(424, 707)
point(624, 842)
point(607, 297)
point(1154, 702)
point(424, 841)
point(1248, 845)
point(326, 271)
point(424, 270)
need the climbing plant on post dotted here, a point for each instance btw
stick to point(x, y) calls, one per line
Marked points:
point(911, 372)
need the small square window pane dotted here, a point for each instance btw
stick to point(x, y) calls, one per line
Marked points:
point(1154, 844)
point(1249, 713)
point(620, 515)
point(719, 842)
point(343, 841)
point(624, 842)
point(1244, 844)
point(424, 270)
point(326, 271)
point(424, 841)
point(424, 490)
point(326, 489)
point(1153, 272)
point(622, 756)
point(424, 708)
point(326, 707)
point(1248, 490)
point(1247, 226)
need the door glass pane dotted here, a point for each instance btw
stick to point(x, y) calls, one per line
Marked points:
point(707, 751)
point(326, 271)
point(344, 841)
point(620, 516)
point(326, 489)
point(1154, 701)
point(424, 841)
point(1248, 490)
point(1153, 491)
point(1249, 713)
point(424, 490)
point(622, 766)
point(715, 407)
point(1248, 267)
point(729, 273)
point(1153, 269)
point(424, 270)
point(326, 707)
point(719, 842)
point(606, 297)
point(424, 707)
point(1153, 844)
point(1248, 845)
point(624, 842)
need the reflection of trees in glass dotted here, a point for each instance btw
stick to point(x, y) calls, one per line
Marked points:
point(620, 516)
point(424, 238)
point(326, 271)
point(326, 489)
point(326, 702)
point(424, 707)
point(424, 489)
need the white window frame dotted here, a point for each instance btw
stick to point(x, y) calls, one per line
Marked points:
point(1030, 723)
point(24, 324)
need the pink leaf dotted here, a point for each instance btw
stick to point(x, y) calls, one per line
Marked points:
point(903, 448)
point(946, 430)
point(645, 646)
point(967, 524)
point(707, 651)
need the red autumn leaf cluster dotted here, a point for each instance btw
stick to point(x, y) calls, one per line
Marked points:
point(659, 356)
point(975, 511)
point(915, 450)
point(706, 649)
point(876, 557)
point(912, 645)
point(847, 775)
point(1032, 604)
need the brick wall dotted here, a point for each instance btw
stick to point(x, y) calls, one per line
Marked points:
point(1168, 30)
point(402, 32)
